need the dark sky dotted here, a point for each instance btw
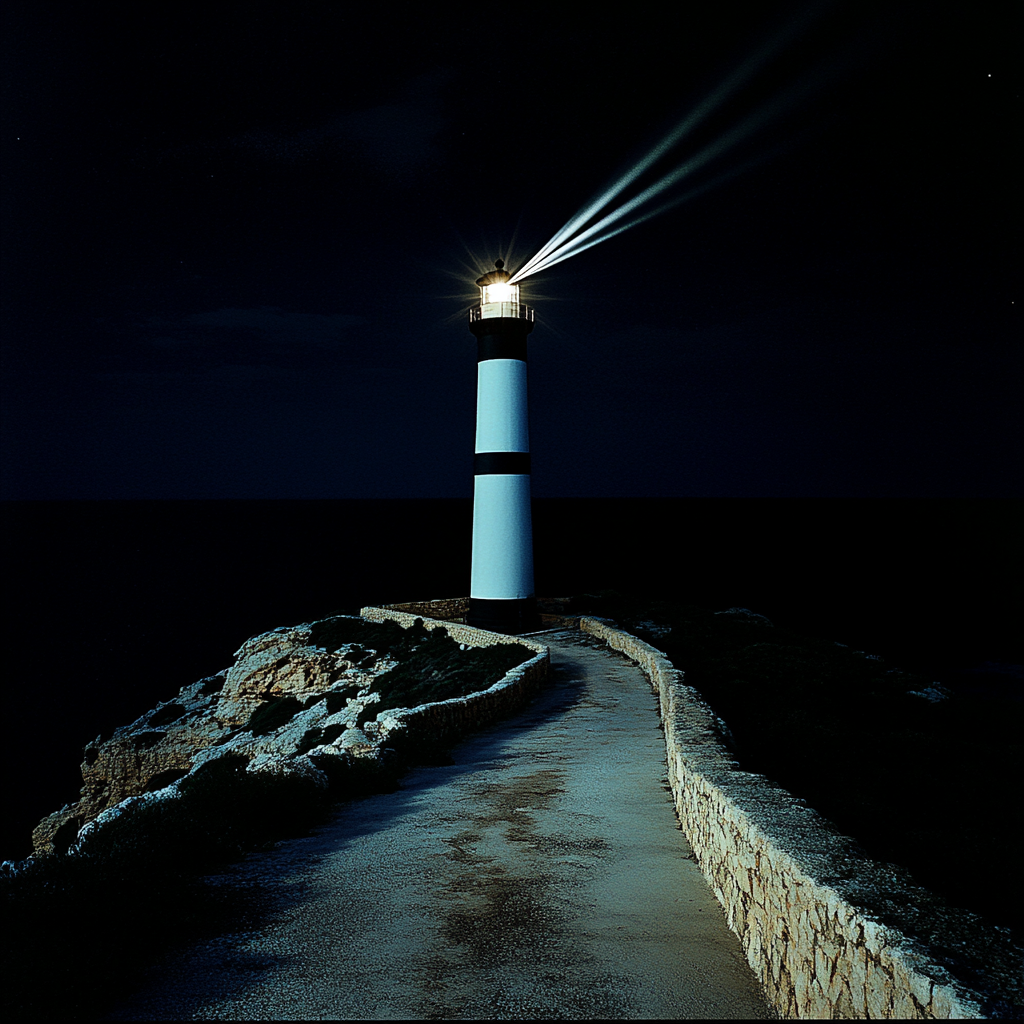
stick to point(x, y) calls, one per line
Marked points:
point(239, 241)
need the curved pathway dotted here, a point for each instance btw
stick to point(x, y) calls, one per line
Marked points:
point(542, 875)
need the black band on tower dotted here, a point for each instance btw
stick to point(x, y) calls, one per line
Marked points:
point(501, 337)
point(516, 463)
point(514, 616)
point(501, 346)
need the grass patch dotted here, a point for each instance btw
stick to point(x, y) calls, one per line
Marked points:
point(362, 658)
point(380, 637)
point(431, 666)
point(436, 669)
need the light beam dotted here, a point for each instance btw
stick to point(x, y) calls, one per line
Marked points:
point(694, 118)
point(572, 250)
point(758, 119)
point(746, 127)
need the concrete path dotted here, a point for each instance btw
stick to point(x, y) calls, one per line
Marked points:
point(543, 875)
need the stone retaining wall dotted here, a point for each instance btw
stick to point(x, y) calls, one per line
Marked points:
point(459, 631)
point(448, 609)
point(829, 932)
point(444, 721)
point(456, 609)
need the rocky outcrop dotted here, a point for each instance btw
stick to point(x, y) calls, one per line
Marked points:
point(281, 664)
point(284, 704)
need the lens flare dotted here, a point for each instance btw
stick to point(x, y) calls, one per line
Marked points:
point(499, 293)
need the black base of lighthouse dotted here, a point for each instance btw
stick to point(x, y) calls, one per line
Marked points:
point(515, 616)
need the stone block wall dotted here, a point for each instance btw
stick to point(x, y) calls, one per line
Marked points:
point(449, 609)
point(447, 720)
point(469, 635)
point(829, 932)
point(456, 609)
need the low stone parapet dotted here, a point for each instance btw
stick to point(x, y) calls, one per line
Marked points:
point(469, 635)
point(448, 609)
point(445, 721)
point(318, 728)
point(829, 932)
point(456, 609)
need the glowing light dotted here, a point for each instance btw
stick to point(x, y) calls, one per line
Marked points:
point(499, 293)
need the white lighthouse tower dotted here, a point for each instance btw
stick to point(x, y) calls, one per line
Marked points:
point(501, 596)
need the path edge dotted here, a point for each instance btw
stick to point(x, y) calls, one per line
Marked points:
point(800, 896)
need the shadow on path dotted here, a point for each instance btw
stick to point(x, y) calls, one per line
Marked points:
point(542, 874)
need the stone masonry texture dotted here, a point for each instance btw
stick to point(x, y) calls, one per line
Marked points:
point(820, 923)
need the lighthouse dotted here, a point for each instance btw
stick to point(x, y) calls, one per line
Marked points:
point(501, 595)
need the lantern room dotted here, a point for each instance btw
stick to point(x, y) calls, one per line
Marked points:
point(498, 298)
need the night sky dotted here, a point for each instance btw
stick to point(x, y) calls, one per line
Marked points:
point(239, 242)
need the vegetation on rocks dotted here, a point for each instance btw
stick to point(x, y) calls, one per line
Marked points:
point(337, 699)
point(431, 665)
point(316, 736)
point(272, 714)
point(435, 668)
point(344, 630)
point(917, 774)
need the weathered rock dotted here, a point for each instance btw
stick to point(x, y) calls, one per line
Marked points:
point(278, 664)
point(209, 718)
point(314, 735)
point(135, 759)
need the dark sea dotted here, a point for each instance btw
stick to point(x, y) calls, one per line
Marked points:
point(110, 607)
